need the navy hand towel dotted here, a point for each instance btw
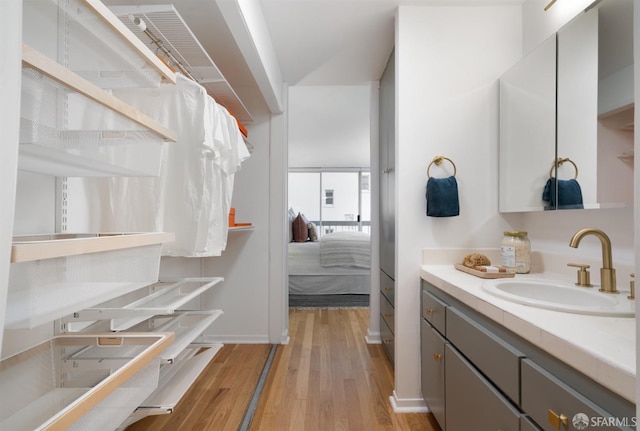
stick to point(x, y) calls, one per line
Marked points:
point(567, 192)
point(442, 197)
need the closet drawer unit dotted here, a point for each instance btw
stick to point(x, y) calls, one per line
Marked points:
point(388, 341)
point(387, 287)
point(496, 359)
point(473, 403)
point(386, 312)
point(55, 275)
point(550, 402)
point(433, 310)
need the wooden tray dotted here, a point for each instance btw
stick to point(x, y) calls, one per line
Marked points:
point(461, 267)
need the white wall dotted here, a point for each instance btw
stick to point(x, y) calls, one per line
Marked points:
point(448, 61)
point(329, 126)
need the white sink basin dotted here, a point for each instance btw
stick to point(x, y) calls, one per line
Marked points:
point(561, 296)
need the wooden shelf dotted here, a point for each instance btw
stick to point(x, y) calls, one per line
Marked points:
point(27, 248)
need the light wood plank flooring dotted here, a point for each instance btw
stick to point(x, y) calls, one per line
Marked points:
point(326, 378)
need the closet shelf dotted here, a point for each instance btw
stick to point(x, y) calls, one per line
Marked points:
point(96, 134)
point(175, 380)
point(187, 327)
point(54, 275)
point(51, 387)
point(166, 298)
point(165, 25)
point(97, 46)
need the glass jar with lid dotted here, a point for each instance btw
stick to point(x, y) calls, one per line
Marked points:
point(515, 252)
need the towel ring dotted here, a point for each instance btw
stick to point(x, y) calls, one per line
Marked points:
point(559, 162)
point(438, 161)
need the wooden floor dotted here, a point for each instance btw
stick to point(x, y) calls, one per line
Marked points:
point(326, 378)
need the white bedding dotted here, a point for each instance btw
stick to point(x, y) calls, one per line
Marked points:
point(307, 276)
point(345, 249)
point(304, 259)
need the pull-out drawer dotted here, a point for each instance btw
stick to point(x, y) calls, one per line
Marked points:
point(472, 401)
point(387, 287)
point(497, 360)
point(387, 340)
point(554, 405)
point(433, 310)
point(386, 311)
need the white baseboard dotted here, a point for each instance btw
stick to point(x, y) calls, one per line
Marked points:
point(373, 337)
point(408, 405)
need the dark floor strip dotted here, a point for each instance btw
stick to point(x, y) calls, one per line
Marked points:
point(253, 403)
point(337, 301)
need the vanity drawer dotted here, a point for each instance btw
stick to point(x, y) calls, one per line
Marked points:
point(386, 312)
point(387, 287)
point(472, 402)
point(496, 359)
point(545, 398)
point(433, 310)
point(387, 340)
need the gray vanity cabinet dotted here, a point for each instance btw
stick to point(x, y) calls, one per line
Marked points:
point(432, 346)
point(492, 379)
point(472, 402)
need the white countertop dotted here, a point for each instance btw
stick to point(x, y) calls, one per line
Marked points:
point(603, 348)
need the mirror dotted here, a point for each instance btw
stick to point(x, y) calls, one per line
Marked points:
point(566, 126)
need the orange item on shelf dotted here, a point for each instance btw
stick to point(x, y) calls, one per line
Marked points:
point(232, 217)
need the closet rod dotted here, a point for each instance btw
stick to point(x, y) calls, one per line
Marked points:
point(139, 22)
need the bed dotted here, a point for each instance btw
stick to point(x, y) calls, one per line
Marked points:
point(337, 264)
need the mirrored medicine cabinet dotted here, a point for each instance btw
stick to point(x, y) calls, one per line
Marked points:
point(566, 117)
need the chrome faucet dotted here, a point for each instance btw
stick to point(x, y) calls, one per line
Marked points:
point(607, 273)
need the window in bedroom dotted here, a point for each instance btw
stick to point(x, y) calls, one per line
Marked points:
point(333, 199)
point(328, 198)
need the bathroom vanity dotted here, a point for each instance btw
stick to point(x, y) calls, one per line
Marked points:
point(489, 363)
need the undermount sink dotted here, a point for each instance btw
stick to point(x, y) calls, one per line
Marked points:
point(561, 296)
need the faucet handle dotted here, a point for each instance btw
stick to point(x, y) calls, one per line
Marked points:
point(632, 287)
point(583, 274)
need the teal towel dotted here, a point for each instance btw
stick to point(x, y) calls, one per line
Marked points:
point(442, 197)
point(567, 193)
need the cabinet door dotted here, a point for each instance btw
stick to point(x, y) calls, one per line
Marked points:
point(472, 403)
point(387, 164)
point(432, 380)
